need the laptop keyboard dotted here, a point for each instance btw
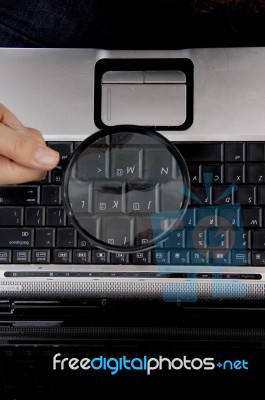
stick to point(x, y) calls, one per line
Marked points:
point(224, 223)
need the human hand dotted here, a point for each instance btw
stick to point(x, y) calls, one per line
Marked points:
point(24, 156)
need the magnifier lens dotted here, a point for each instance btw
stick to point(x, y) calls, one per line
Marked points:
point(124, 188)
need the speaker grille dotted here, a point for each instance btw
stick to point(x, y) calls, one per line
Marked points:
point(149, 289)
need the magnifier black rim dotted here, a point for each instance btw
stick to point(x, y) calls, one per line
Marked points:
point(99, 135)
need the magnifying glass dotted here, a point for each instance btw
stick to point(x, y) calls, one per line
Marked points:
point(124, 188)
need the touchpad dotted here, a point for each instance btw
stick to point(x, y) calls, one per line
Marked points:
point(159, 97)
point(144, 97)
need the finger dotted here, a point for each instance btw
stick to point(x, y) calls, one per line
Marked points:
point(12, 173)
point(33, 134)
point(25, 150)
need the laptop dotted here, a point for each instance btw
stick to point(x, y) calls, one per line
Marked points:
point(209, 102)
point(196, 295)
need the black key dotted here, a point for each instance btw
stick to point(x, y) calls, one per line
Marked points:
point(100, 256)
point(218, 238)
point(201, 152)
point(118, 231)
point(62, 256)
point(235, 173)
point(5, 256)
point(255, 151)
point(57, 176)
point(199, 257)
point(180, 257)
point(256, 173)
point(96, 165)
point(240, 239)
point(189, 218)
point(240, 257)
point(246, 195)
point(207, 216)
point(258, 258)
point(81, 256)
point(35, 216)
point(144, 230)
point(21, 256)
point(83, 242)
point(51, 195)
point(224, 194)
point(216, 171)
point(176, 240)
point(91, 224)
point(252, 217)
point(195, 172)
point(64, 148)
point(81, 196)
point(142, 198)
point(66, 237)
point(11, 216)
point(220, 257)
point(55, 216)
point(261, 195)
point(109, 197)
point(41, 256)
point(119, 258)
point(19, 195)
point(196, 238)
point(201, 195)
point(45, 237)
point(159, 164)
point(16, 237)
point(161, 257)
point(171, 196)
point(235, 152)
point(258, 239)
point(125, 164)
point(229, 216)
point(147, 228)
point(141, 258)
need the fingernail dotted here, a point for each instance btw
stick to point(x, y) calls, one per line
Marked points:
point(46, 156)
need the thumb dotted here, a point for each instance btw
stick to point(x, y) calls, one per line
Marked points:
point(25, 149)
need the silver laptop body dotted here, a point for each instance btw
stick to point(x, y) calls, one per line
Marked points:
point(216, 96)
